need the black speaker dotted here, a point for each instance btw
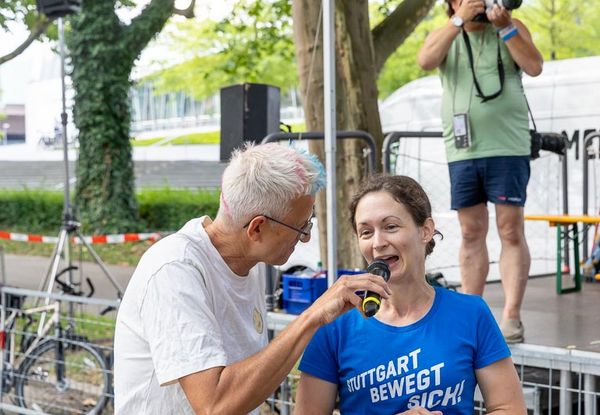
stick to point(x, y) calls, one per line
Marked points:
point(58, 8)
point(249, 112)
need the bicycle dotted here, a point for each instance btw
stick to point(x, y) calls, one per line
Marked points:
point(58, 374)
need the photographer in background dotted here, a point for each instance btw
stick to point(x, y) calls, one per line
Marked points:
point(481, 52)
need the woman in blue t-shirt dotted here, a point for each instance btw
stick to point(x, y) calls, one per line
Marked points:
point(427, 348)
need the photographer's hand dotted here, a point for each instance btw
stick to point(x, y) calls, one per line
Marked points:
point(468, 9)
point(499, 17)
point(518, 40)
point(436, 46)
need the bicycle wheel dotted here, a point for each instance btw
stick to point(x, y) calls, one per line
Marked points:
point(84, 386)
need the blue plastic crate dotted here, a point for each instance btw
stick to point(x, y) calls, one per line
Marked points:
point(299, 292)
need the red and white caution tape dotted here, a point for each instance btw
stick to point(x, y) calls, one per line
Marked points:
point(94, 239)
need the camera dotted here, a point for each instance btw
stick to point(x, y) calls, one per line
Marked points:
point(553, 142)
point(507, 4)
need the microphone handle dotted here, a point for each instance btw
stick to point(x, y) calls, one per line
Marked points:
point(371, 303)
point(371, 300)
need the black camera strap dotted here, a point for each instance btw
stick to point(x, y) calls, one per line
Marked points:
point(480, 93)
point(529, 109)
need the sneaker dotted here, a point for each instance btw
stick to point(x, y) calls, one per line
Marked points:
point(513, 331)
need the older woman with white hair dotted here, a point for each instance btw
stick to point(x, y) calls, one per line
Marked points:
point(190, 335)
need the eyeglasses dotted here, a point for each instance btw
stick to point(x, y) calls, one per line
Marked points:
point(304, 230)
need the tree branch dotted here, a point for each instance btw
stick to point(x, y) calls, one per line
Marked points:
point(188, 12)
point(40, 27)
point(150, 22)
point(146, 25)
point(394, 29)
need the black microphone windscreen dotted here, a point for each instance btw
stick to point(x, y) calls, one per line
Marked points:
point(379, 267)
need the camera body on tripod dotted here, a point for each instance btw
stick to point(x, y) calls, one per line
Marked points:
point(507, 4)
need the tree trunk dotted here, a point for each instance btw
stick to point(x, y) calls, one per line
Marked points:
point(356, 105)
point(103, 51)
point(105, 179)
point(360, 54)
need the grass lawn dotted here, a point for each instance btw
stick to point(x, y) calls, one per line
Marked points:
point(145, 143)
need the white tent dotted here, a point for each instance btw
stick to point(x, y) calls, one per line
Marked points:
point(566, 96)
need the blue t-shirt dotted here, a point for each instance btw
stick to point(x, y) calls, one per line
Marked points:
point(382, 369)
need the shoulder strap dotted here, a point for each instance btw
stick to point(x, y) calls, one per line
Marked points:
point(529, 109)
point(480, 93)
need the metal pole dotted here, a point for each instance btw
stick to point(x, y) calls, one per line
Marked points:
point(63, 119)
point(3, 351)
point(63, 115)
point(2, 267)
point(330, 134)
point(101, 264)
point(565, 401)
point(585, 159)
point(565, 180)
point(587, 143)
point(589, 389)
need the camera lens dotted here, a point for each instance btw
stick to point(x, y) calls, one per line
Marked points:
point(553, 142)
point(511, 4)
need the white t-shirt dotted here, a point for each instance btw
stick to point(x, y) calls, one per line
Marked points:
point(183, 311)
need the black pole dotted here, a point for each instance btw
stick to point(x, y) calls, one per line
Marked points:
point(64, 119)
point(587, 142)
point(565, 183)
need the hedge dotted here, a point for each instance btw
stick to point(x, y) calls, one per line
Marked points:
point(168, 209)
point(40, 211)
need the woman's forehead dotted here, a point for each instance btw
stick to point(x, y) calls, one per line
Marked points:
point(379, 204)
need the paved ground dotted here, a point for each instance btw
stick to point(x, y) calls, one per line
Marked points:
point(29, 271)
point(569, 320)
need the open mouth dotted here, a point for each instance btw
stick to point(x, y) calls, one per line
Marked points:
point(390, 259)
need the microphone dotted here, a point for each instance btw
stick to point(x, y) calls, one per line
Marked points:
point(372, 301)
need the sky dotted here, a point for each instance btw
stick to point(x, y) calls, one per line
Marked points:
point(33, 62)
point(37, 60)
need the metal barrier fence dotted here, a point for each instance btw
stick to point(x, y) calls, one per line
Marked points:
point(66, 365)
point(554, 380)
point(56, 357)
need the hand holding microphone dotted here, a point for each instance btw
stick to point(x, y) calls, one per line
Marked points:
point(372, 301)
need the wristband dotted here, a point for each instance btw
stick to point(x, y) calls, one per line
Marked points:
point(504, 30)
point(510, 34)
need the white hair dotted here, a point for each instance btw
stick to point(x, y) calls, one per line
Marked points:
point(264, 179)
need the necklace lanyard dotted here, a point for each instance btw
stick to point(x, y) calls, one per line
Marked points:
point(480, 94)
point(454, 86)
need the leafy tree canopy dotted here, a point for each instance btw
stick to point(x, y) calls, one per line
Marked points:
point(401, 67)
point(563, 29)
point(252, 44)
point(18, 11)
point(40, 27)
